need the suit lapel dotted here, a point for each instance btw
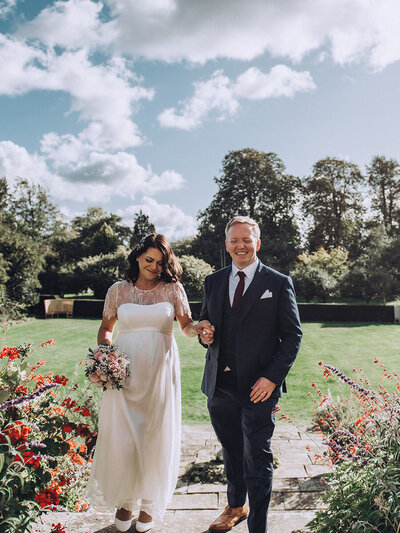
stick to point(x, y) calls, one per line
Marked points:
point(254, 291)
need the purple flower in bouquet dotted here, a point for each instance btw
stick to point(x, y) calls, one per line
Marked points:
point(107, 367)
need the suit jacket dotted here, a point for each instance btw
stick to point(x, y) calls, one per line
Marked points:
point(268, 335)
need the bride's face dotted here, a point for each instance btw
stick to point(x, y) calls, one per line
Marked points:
point(150, 264)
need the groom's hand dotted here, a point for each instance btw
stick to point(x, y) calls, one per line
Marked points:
point(262, 390)
point(206, 331)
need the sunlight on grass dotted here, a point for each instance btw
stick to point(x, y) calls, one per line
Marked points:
point(344, 345)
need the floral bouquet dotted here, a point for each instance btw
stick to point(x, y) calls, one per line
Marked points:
point(106, 367)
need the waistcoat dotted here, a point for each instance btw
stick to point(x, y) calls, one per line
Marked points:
point(227, 336)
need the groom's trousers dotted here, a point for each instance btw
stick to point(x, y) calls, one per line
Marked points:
point(245, 430)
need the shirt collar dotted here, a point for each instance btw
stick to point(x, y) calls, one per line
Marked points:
point(249, 270)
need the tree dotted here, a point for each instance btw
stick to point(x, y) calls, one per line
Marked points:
point(319, 273)
point(255, 184)
point(384, 181)
point(335, 262)
point(313, 281)
point(28, 221)
point(35, 215)
point(375, 273)
point(24, 261)
point(96, 232)
point(141, 227)
point(333, 202)
point(98, 273)
point(194, 273)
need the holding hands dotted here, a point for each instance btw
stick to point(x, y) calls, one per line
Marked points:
point(206, 331)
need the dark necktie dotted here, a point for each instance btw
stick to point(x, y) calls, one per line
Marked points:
point(239, 289)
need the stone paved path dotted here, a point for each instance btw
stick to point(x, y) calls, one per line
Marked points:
point(297, 487)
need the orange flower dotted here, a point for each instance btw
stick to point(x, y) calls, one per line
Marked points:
point(47, 343)
point(81, 505)
point(11, 353)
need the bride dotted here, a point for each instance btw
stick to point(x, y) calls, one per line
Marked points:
point(137, 453)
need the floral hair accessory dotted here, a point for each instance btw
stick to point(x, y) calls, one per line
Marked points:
point(106, 367)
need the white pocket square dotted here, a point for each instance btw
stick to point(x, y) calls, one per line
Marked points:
point(266, 294)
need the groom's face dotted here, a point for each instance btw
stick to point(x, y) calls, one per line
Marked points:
point(242, 245)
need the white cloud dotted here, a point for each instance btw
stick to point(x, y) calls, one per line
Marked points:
point(221, 95)
point(280, 81)
point(8, 5)
point(168, 219)
point(72, 171)
point(175, 30)
point(93, 88)
point(73, 24)
point(16, 161)
point(213, 94)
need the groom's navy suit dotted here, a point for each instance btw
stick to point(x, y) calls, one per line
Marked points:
point(259, 338)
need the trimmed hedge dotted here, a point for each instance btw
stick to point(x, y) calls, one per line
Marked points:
point(92, 308)
point(346, 313)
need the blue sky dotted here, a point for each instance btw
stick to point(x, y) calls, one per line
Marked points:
point(132, 104)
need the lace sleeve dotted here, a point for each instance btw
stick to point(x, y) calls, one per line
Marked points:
point(180, 301)
point(111, 302)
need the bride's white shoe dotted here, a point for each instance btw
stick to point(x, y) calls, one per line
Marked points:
point(123, 525)
point(141, 527)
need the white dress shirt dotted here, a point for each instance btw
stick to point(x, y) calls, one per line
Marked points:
point(234, 278)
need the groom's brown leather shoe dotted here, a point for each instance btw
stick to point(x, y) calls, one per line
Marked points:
point(229, 518)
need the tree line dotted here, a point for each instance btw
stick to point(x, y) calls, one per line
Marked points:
point(336, 232)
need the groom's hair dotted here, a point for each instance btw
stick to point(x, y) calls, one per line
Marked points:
point(244, 220)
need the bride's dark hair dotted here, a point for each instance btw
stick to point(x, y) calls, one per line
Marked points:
point(171, 271)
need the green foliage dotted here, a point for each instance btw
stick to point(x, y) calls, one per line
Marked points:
point(384, 181)
point(27, 222)
point(141, 227)
point(375, 273)
point(318, 274)
point(209, 472)
point(254, 184)
point(96, 233)
point(24, 259)
point(313, 281)
point(363, 442)
point(333, 203)
point(194, 273)
point(98, 273)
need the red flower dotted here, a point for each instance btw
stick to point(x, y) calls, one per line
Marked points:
point(47, 497)
point(17, 431)
point(62, 481)
point(83, 431)
point(57, 528)
point(85, 412)
point(69, 428)
point(60, 379)
point(68, 403)
point(28, 458)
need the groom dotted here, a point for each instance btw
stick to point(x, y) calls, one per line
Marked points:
point(256, 339)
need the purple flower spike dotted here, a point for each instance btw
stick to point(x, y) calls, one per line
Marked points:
point(24, 400)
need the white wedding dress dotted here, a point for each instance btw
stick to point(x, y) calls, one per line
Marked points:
point(137, 453)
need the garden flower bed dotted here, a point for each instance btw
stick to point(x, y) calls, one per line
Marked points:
point(46, 433)
point(362, 435)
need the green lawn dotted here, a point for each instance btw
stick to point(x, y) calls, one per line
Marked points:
point(344, 345)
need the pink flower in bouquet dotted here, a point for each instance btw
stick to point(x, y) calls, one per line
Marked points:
point(106, 367)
